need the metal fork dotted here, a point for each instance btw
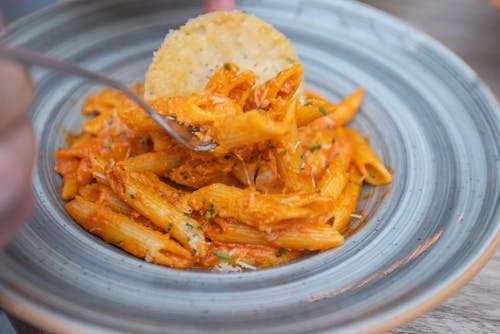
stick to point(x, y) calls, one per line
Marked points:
point(184, 135)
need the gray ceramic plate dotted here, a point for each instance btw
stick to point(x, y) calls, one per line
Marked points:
point(426, 113)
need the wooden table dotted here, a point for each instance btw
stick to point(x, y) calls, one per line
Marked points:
point(471, 28)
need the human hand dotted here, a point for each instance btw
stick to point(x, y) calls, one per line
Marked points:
point(17, 149)
point(213, 5)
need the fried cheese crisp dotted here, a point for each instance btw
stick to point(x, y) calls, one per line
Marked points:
point(189, 57)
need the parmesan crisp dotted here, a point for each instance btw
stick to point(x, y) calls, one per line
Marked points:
point(189, 56)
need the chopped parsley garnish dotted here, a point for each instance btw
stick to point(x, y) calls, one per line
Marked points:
point(199, 228)
point(108, 148)
point(302, 157)
point(227, 157)
point(132, 196)
point(187, 214)
point(110, 140)
point(372, 174)
point(281, 252)
point(170, 226)
point(323, 111)
point(223, 256)
point(302, 166)
point(142, 141)
point(195, 251)
point(309, 103)
point(210, 213)
point(110, 120)
point(314, 148)
point(270, 145)
point(227, 66)
point(189, 226)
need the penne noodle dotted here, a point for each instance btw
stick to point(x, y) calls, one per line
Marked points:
point(347, 201)
point(148, 202)
point(289, 154)
point(231, 232)
point(98, 123)
point(124, 232)
point(335, 177)
point(310, 237)
point(70, 187)
point(368, 163)
point(250, 207)
point(226, 82)
point(231, 132)
point(236, 257)
point(347, 108)
point(156, 162)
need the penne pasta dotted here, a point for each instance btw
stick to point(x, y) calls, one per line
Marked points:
point(347, 108)
point(335, 177)
point(284, 179)
point(309, 237)
point(124, 232)
point(148, 202)
point(368, 163)
point(347, 201)
point(156, 162)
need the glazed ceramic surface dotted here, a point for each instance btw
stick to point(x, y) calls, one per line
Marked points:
point(426, 114)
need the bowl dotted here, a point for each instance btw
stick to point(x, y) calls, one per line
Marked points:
point(427, 114)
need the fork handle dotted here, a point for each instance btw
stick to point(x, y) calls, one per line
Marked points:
point(34, 58)
point(30, 57)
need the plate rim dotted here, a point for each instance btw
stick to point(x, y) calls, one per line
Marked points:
point(56, 322)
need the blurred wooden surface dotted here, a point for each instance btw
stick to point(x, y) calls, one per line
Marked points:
point(471, 29)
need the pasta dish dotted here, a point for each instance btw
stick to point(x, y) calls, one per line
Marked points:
point(284, 179)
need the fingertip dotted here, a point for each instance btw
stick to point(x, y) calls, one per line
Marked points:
point(16, 92)
point(15, 195)
point(218, 5)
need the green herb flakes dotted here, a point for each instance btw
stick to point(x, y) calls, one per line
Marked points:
point(315, 148)
point(323, 111)
point(223, 256)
